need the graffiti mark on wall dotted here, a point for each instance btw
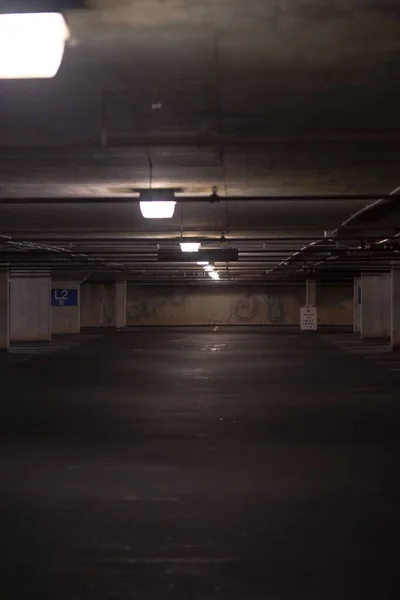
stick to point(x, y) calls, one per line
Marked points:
point(188, 306)
point(247, 308)
point(137, 310)
point(153, 303)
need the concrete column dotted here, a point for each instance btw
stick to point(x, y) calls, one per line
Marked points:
point(4, 310)
point(311, 292)
point(357, 305)
point(120, 304)
point(375, 306)
point(395, 307)
point(30, 314)
point(65, 307)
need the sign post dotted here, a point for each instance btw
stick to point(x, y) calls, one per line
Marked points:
point(308, 318)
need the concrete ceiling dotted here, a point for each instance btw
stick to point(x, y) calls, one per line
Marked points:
point(278, 97)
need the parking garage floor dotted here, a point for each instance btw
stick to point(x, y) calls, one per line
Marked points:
point(200, 464)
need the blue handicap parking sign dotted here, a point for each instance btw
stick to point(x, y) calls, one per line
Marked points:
point(64, 297)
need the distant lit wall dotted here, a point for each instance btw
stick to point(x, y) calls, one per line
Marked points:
point(97, 305)
point(214, 305)
point(234, 306)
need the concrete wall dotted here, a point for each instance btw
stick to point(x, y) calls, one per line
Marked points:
point(375, 306)
point(65, 319)
point(97, 305)
point(335, 305)
point(357, 305)
point(30, 314)
point(221, 305)
point(4, 310)
point(274, 305)
point(120, 304)
point(264, 305)
point(395, 307)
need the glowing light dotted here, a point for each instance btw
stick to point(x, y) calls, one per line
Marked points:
point(157, 209)
point(31, 45)
point(202, 263)
point(214, 275)
point(190, 246)
point(209, 268)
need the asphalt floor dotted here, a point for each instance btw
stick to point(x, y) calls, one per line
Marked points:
point(200, 464)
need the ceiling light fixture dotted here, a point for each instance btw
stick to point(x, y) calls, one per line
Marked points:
point(214, 275)
point(202, 263)
point(157, 203)
point(32, 45)
point(157, 209)
point(190, 246)
point(209, 268)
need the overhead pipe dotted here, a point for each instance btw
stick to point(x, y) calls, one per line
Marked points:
point(348, 222)
point(59, 253)
point(214, 198)
point(378, 202)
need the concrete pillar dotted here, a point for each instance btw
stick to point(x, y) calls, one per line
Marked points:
point(357, 305)
point(65, 307)
point(120, 304)
point(375, 306)
point(395, 307)
point(311, 292)
point(30, 314)
point(4, 310)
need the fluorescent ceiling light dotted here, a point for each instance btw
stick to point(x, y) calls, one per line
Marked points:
point(203, 263)
point(209, 268)
point(190, 246)
point(214, 275)
point(157, 209)
point(31, 45)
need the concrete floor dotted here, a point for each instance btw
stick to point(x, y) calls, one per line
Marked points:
point(240, 464)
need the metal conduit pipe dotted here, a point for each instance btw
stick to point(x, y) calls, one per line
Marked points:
point(59, 253)
point(384, 199)
point(355, 217)
point(201, 199)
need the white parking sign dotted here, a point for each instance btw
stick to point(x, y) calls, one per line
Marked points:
point(308, 318)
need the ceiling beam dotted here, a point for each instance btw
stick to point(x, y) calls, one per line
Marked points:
point(198, 199)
